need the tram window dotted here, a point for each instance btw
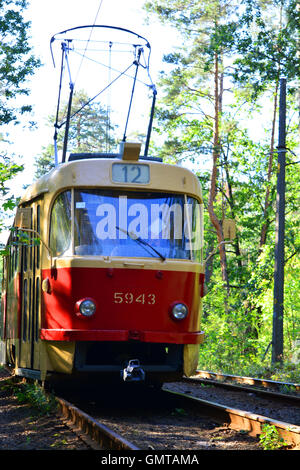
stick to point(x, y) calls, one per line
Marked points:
point(38, 228)
point(16, 258)
point(31, 250)
point(60, 225)
point(25, 299)
point(3, 273)
point(86, 241)
point(30, 295)
point(37, 307)
point(24, 254)
point(13, 259)
point(9, 264)
point(167, 223)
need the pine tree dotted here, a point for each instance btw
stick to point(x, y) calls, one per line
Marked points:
point(90, 131)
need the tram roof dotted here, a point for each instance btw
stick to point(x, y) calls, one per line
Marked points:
point(97, 172)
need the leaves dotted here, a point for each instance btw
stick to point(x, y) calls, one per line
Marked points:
point(267, 48)
point(270, 439)
point(89, 131)
point(16, 62)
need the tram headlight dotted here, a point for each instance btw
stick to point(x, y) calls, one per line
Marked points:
point(86, 307)
point(179, 311)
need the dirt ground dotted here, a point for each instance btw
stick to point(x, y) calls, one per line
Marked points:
point(23, 428)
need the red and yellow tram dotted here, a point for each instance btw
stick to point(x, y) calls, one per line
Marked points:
point(111, 276)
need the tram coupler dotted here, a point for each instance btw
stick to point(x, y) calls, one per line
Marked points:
point(133, 372)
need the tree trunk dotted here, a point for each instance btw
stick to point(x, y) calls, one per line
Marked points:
point(229, 194)
point(213, 181)
point(266, 222)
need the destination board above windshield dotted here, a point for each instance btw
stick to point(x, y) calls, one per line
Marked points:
point(130, 173)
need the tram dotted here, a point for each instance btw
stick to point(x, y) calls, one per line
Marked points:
point(104, 273)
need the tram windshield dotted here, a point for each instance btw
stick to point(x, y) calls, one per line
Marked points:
point(126, 224)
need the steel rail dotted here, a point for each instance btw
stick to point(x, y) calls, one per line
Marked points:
point(244, 388)
point(242, 420)
point(100, 434)
point(247, 380)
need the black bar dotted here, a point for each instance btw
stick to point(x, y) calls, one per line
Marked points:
point(150, 122)
point(137, 63)
point(278, 308)
point(67, 124)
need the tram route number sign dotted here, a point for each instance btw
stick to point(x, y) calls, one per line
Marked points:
point(130, 173)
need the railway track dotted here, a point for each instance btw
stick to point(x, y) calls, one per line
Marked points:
point(136, 434)
point(93, 432)
point(253, 390)
point(285, 389)
point(242, 420)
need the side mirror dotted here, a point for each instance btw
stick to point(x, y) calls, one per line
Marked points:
point(229, 228)
point(23, 218)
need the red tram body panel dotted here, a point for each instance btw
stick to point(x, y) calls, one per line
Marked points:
point(130, 305)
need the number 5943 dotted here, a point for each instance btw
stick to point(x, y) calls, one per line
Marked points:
point(129, 298)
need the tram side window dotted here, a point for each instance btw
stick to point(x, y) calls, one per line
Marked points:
point(37, 309)
point(38, 229)
point(60, 225)
point(25, 300)
point(13, 257)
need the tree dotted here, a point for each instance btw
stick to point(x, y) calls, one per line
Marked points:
point(90, 131)
point(235, 50)
point(268, 49)
point(16, 65)
point(16, 62)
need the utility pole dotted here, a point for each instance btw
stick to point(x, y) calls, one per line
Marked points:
point(277, 339)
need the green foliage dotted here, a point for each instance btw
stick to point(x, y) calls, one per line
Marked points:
point(16, 62)
point(32, 394)
point(8, 169)
point(21, 237)
point(270, 439)
point(89, 132)
point(16, 65)
point(36, 397)
point(267, 47)
point(237, 338)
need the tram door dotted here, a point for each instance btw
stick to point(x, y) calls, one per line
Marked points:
point(30, 293)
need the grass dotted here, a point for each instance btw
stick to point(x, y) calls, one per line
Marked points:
point(32, 394)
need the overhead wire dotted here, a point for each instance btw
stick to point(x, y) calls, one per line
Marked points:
point(88, 41)
point(113, 69)
point(138, 61)
point(96, 96)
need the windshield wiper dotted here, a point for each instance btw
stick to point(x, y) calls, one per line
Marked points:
point(138, 239)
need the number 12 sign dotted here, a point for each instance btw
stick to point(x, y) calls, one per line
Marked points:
point(130, 173)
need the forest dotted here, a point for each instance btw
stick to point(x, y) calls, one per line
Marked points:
point(217, 113)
